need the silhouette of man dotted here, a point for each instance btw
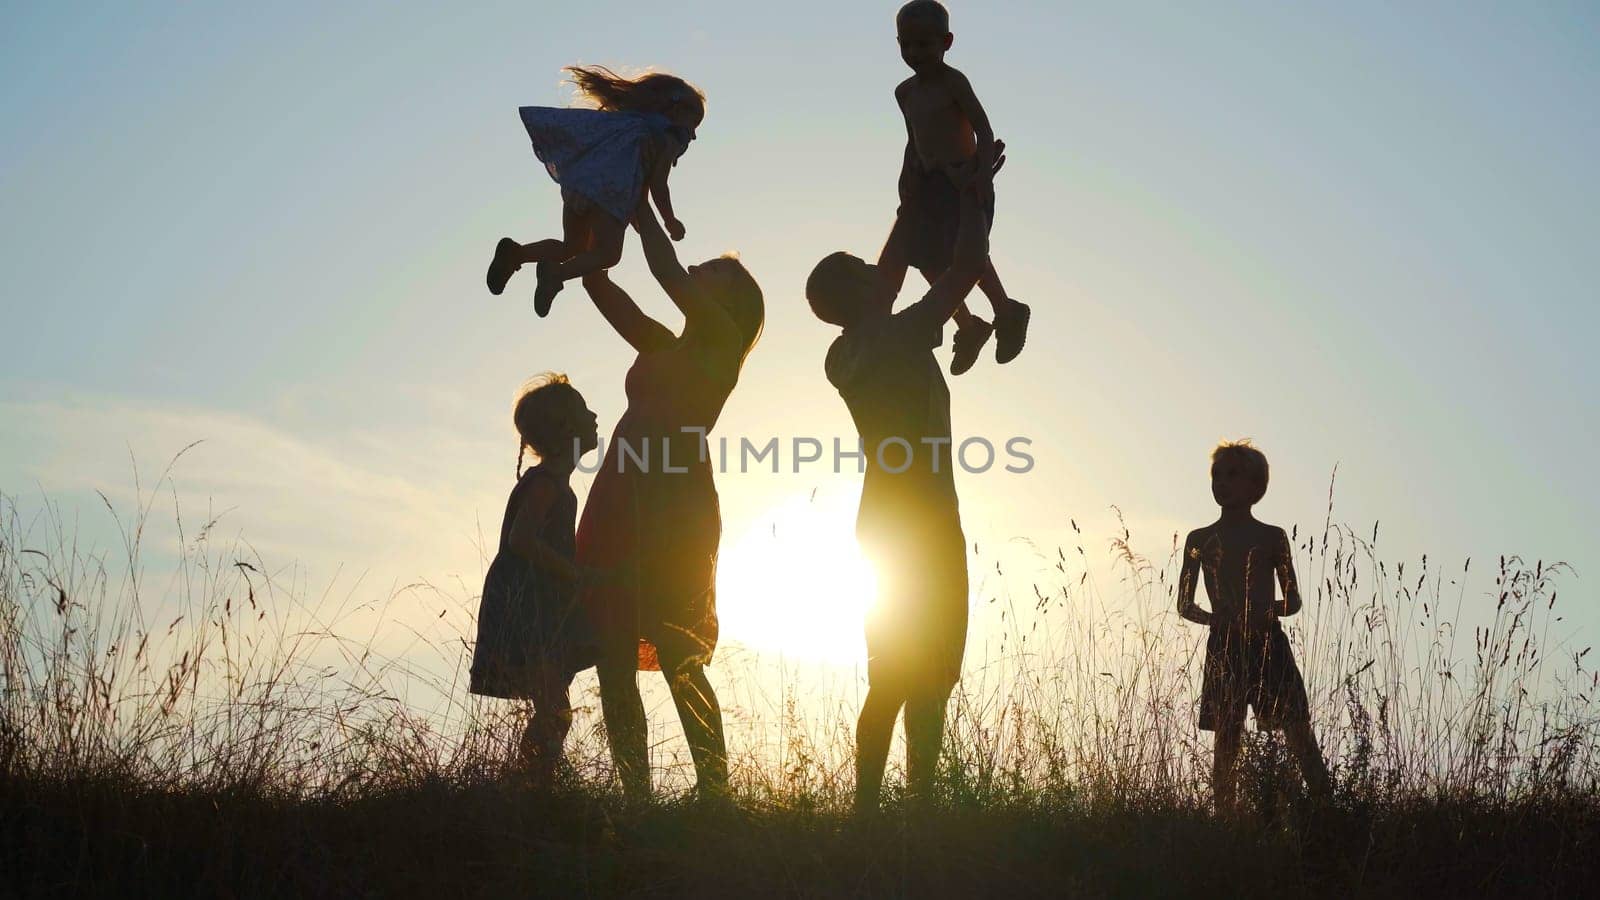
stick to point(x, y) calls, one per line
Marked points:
point(909, 523)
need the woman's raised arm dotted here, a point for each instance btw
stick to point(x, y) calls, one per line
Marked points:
point(707, 325)
point(642, 333)
point(663, 261)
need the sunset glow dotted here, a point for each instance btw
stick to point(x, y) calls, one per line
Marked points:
point(794, 581)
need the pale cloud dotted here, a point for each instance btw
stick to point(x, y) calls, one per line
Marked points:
point(398, 507)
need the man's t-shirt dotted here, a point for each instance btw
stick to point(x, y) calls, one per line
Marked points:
point(886, 372)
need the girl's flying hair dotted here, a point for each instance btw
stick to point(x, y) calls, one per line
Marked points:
point(655, 92)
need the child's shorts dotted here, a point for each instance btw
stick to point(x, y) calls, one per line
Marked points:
point(917, 625)
point(1254, 669)
point(931, 213)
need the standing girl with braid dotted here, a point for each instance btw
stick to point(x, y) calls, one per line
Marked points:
point(532, 635)
point(604, 159)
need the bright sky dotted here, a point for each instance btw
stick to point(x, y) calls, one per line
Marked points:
point(1362, 234)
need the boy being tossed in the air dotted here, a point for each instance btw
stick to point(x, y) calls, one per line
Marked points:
point(946, 128)
point(1248, 659)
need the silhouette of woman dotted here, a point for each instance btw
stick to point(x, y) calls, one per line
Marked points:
point(652, 516)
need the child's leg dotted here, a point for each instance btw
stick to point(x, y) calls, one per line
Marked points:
point(924, 738)
point(601, 250)
point(623, 710)
point(971, 334)
point(701, 716)
point(1224, 765)
point(509, 256)
point(549, 250)
point(1302, 742)
point(874, 729)
point(1010, 316)
point(548, 727)
point(590, 237)
point(989, 283)
point(528, 742)
point(963, 314)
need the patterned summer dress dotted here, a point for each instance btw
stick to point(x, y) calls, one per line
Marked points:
point(598, 155)
point(529, 622)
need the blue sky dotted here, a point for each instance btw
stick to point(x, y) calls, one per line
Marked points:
point(1362, 234)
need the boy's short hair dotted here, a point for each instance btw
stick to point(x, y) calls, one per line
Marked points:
point(930, 11)
point(833, 290)
point(1248, 456)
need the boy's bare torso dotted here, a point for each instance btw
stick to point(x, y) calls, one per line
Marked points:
point(941, 133)
point(1240, 562)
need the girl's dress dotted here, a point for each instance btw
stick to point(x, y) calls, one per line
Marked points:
point(656, 526)
point(530, 626)
point(600, 155)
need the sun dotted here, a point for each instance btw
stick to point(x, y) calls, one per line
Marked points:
point(795, 582)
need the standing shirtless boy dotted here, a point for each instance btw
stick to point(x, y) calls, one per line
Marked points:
point(1249, 663)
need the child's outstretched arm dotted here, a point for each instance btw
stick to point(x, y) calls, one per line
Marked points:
point(1287, 583)
point(662, 258)
point(968, 101)
point(661, 193)
point(525, 528)
point(1186, 580)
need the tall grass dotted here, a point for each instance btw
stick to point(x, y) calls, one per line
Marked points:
point(222, 677)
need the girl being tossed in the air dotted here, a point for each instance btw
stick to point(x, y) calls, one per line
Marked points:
point(602, 158)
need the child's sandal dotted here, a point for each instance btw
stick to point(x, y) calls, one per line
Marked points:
point(1011, 330)
point(549, 287)
point(503, 266)
point(969, 340)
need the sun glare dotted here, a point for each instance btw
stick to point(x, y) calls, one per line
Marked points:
point(794, 582)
